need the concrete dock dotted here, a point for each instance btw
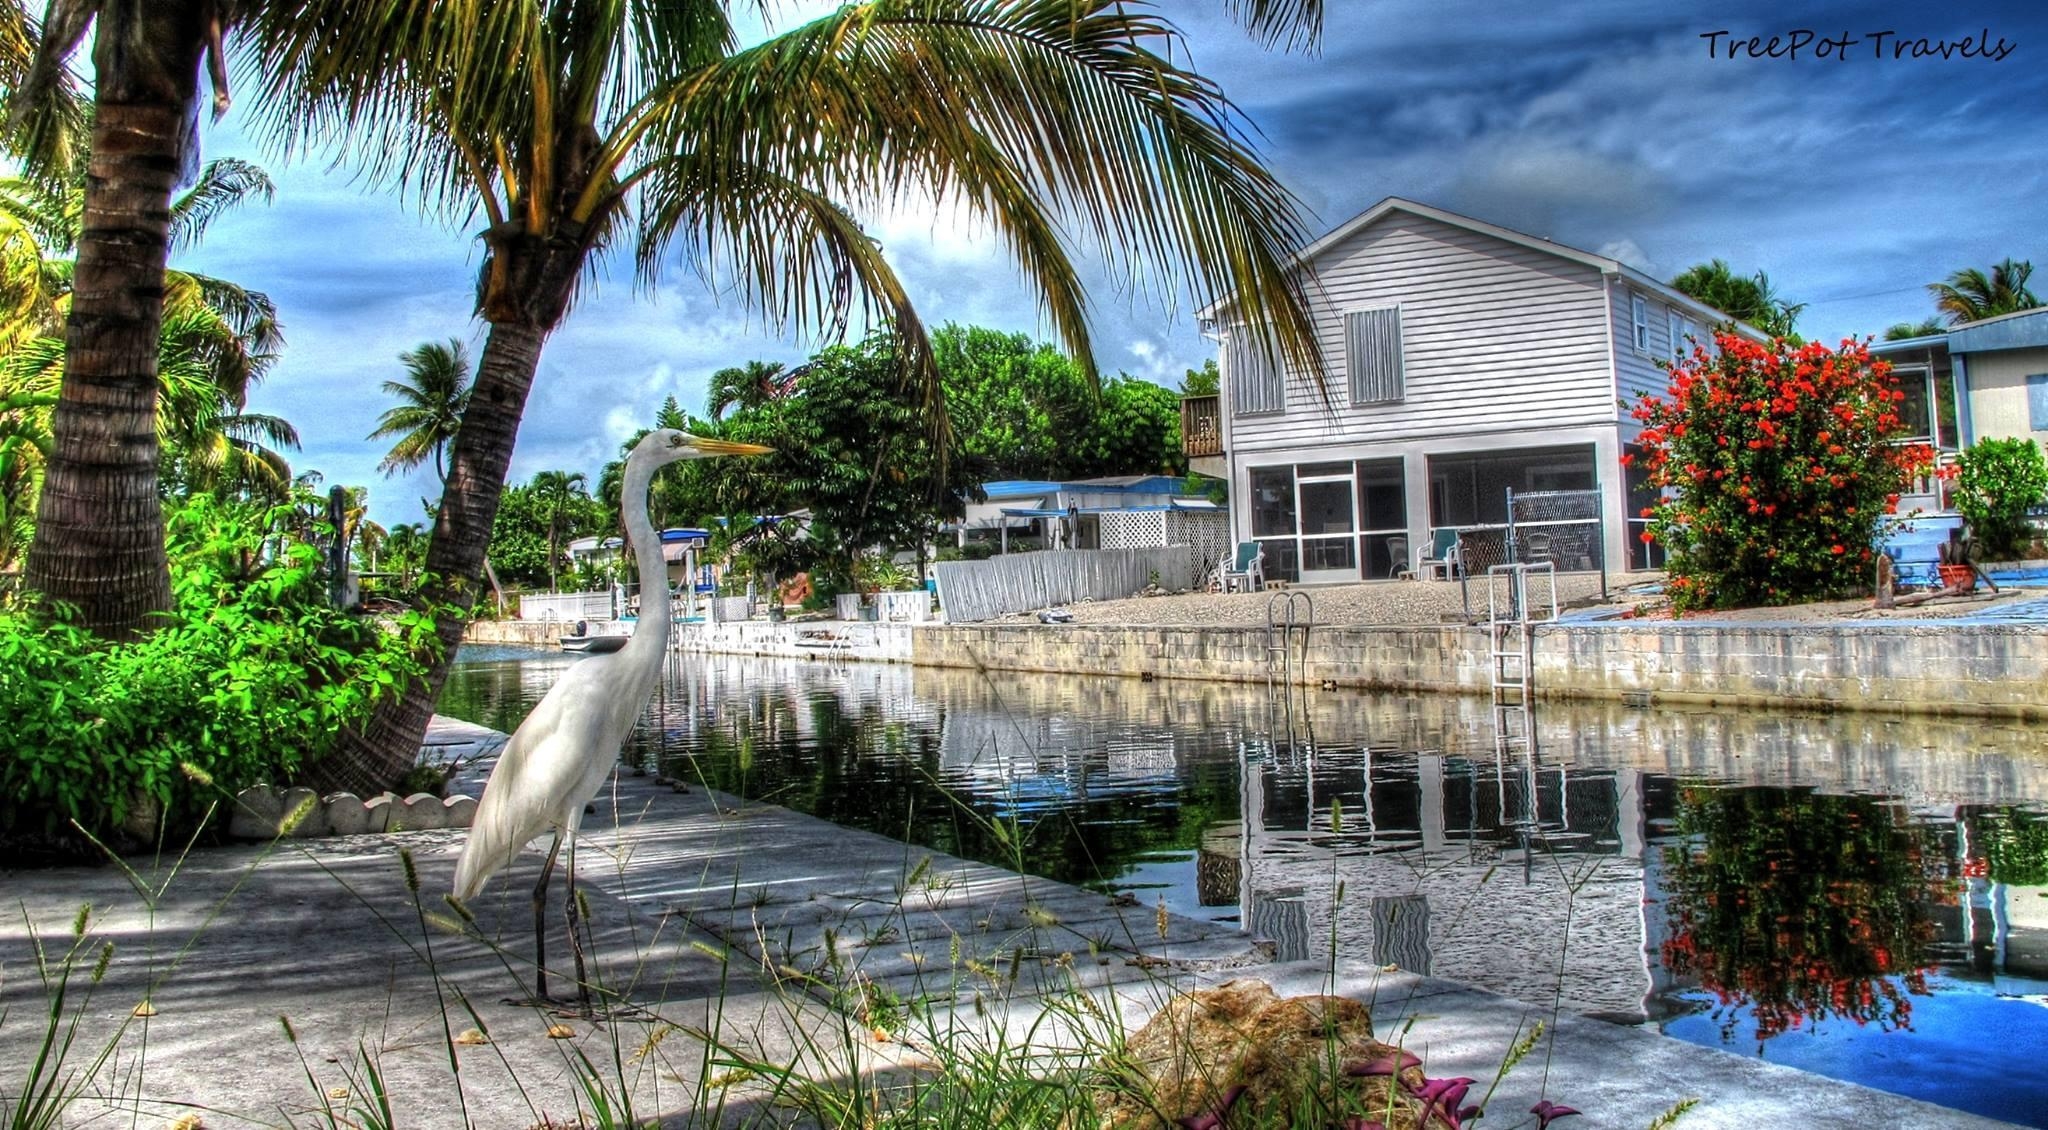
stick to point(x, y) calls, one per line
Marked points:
point(741, 933)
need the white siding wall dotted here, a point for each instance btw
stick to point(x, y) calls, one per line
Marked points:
point(1495, 337)
point(1998, 392)
point(1637, 372)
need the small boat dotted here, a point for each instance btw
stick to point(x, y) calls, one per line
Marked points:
point(594, 645)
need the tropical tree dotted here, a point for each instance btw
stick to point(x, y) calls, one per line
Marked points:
point(217, 340)
point(748, 386)
point(100, 531)
point(1970, 294)
point(405, 552)
point(557, 490)
point(431, 399)
point(1205, 381)
point(567, 125)
point(1903, 330)
point(1744, 298)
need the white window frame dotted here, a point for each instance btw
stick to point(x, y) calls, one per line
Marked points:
point(1352, 357)
point(1639, 322)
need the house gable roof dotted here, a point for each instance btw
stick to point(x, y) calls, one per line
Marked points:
point(1604, 264)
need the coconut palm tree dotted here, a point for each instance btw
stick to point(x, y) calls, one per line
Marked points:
point(748, 386)
point(100, 534)
point(1925, 328)
point(1744, 298)
point(1970, 295)
point(572, 127)
point(216, 338)
point(556, 490)
point(431, 399)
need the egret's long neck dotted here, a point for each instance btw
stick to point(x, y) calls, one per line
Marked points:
point(650, 632)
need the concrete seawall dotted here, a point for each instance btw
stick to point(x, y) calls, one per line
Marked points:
point(1994, 670)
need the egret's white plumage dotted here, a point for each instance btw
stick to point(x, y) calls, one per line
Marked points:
point(561, 755)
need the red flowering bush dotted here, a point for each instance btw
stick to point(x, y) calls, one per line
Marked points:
point(1781, 468)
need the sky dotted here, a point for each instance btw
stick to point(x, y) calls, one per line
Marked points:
point(1850, 171)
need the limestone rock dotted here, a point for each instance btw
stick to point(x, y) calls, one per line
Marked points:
point(1240, 1048)
point(461, 811)
point(315, 821)
point(256, 813)
point(380, 808)
point(347, 815)
point(419, 812)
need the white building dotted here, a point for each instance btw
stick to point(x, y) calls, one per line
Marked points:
point(1464, 360)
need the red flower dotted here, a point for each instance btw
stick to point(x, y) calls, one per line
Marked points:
point(1836, 550)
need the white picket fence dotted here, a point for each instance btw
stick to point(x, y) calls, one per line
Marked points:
point(567, 607)
point(1019, 582)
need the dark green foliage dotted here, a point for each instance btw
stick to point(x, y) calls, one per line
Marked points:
point(250, 681)
point(1026, 411)
point(1997, 481)
point(2015, 846)
point(519, 535)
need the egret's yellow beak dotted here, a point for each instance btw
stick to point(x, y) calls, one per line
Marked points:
point(728, 447)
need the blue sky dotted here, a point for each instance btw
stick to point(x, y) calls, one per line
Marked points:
point(1853, 181)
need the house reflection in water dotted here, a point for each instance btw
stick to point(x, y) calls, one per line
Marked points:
point(1777, 884)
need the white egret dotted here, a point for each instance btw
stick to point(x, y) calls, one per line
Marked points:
point(561, 755)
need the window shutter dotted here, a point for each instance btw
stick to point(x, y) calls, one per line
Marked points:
point(1372, 352)
point(1256, 379)
point(2037, 402)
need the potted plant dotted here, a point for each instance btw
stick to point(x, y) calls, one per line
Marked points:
point(1954, 565)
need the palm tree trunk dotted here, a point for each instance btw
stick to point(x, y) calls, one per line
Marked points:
point(100, 531)
point(387, 744)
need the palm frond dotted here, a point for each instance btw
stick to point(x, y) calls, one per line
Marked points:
point(46, 116)
point(222, 186)
point(1292, 23)
point(1052, 116)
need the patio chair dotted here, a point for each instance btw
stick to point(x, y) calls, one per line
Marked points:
point(1538, 546)
point(1442, 561)
point(1397, 554)
point(1246, 567)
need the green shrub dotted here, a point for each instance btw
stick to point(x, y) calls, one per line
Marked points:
point(1997, 480)
point(251, 679)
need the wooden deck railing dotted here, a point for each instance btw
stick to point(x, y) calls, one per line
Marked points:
point(1201, 425)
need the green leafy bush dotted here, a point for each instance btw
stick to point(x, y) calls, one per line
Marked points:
point(252, 679)
point(1782, 467)
point(1997, 480)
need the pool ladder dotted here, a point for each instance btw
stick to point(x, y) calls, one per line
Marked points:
point(1288, 612)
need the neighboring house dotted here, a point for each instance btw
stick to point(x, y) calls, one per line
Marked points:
point(1464, 360)
point(1983, 379)
point(1071, 515)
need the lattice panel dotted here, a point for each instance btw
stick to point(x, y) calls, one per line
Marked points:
point(1140, 529)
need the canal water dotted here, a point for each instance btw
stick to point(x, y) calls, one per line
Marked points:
point(1858, 896)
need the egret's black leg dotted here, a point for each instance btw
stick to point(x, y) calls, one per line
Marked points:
point(540, 924)
point(576, 939)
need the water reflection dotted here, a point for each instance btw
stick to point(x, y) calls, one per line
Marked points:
point(1796, 887)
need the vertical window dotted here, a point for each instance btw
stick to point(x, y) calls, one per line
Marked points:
point(1639, 317)
point(2037, 402)
point(1372, 353)
point(1683, 330)
point(1256, 379)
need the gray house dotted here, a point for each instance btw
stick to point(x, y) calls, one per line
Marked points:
point(1464, 360)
